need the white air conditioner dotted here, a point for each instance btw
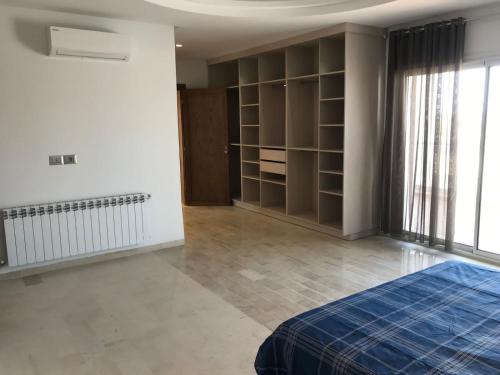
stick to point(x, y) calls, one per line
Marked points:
point(89, 44)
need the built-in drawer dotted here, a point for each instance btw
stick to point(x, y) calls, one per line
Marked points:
point(272, 155)
point(272, 167)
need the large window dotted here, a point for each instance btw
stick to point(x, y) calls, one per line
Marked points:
point(477, 212)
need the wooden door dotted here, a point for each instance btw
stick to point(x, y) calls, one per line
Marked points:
point(205, 140)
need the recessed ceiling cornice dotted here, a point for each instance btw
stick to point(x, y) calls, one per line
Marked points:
point(267, 8)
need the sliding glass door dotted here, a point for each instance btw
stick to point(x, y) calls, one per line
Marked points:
point(470, 118)
point(477, 195)
point(489, 202)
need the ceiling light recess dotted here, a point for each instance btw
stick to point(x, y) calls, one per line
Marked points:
point(267, 8)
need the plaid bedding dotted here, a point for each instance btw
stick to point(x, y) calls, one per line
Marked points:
point(443, 320)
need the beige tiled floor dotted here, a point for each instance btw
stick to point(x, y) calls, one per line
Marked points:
point(200, 309)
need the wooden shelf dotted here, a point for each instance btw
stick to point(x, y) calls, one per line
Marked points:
point(250, 105)
point(252, 177)
point(331, 125)
point(251, 161)
point(332, 151)
point(329, 99)
point(278, 147)
point(337, 172)
point(249, 145)
point(306, 78)
point(274, 82)
point(337, 192)
point(235, 144)
point(335, 72)
point(314, 149)
point(251, 125)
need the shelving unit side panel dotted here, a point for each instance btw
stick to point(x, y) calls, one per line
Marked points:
point(365, 57)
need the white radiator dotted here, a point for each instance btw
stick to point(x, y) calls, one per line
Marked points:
point(46, 232)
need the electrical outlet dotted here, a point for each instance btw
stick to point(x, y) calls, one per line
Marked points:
point(56, 160)
point(70, 159)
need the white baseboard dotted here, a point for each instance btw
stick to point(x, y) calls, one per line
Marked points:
point(7, 272)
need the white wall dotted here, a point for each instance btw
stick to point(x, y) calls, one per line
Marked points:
point(192, 72)
point(120, 118)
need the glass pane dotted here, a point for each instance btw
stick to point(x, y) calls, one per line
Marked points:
point(490, 199)
point(470, 114)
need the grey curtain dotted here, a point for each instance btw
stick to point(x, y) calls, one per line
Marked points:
point(420, 142)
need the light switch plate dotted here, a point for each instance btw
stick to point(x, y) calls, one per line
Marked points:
point(70, 159)
point(56, 160)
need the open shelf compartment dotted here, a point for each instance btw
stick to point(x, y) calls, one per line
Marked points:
point(250, 154)
point(250, 170)
point(249, 70)
point(302, 60)
point(302, 110)
point(331, 184)
point(332, 138)
point(251, 191)
point(250, 135)
point(273, 197)
point(332, 112)
point(249, 95)
point(332, 54)
point(330, 210)
point(272, 66)
point(272, 114)
point(223, 75)
point(302, 182)
point(249, 115)
point(332, 86)
point(331, 163)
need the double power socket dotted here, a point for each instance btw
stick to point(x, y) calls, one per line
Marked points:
point(63, 159)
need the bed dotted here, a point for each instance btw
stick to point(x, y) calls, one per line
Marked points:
point(443, 320)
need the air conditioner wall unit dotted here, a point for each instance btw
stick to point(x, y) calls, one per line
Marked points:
point(88, 44)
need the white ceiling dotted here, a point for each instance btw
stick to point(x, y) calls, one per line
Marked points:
point(206, 34)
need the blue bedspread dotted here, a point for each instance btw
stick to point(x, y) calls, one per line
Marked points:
point(443, 320)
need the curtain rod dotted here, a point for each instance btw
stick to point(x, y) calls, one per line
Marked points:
point(467, 20)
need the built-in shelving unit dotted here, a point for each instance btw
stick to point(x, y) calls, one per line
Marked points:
point(306, 123)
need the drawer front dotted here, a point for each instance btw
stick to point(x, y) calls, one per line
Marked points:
point(272, 167)
point(273, 155)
